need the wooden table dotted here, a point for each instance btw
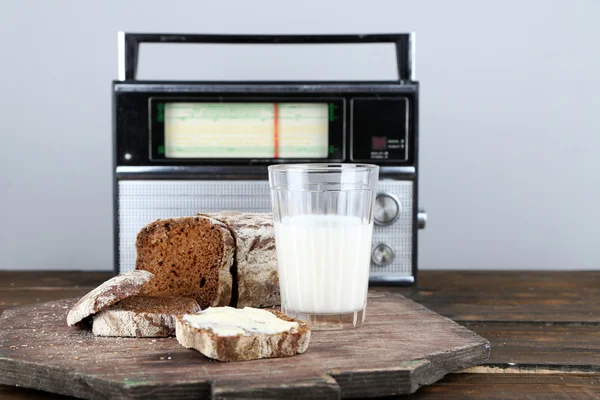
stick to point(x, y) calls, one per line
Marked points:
point(544, 328)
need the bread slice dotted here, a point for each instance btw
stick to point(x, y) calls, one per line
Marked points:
point(255, 257)
point(190, 257)
point(142, 316)
point(107, 294)
point(249, 345)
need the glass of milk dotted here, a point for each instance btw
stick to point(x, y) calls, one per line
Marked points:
point(323, 216)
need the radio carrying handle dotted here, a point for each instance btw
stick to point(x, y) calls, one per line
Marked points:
point(129, 46)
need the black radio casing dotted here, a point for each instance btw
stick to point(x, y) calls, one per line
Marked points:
point(359, 118)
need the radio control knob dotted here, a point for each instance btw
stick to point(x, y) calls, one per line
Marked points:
point(387, 208)
point(382, 254)
point(421, 218)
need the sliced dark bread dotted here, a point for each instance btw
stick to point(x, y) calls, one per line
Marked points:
point(255, 257)
point(190, 257)
point(107, 294)
point(249, 345)
point(142, 316)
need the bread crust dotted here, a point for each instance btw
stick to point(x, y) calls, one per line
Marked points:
point(107, 294)
point(243, 348)
point(187, 273)
point(255, 257)
point(142, 317)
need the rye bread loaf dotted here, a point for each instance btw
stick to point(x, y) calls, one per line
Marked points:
point(255, 257)
point(249, 346)
point(142, 316)
point(107, 294)
point(190, 257)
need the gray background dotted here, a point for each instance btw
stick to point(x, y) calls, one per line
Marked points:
point(510, 117)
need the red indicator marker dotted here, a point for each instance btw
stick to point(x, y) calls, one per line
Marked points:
point(276, 130)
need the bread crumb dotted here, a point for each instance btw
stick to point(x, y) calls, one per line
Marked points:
point(76, 358)
point(51, 344)
point(162, 358)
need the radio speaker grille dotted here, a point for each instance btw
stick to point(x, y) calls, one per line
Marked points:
point(141, 202)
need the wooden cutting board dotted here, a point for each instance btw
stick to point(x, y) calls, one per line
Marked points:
point(401, 347)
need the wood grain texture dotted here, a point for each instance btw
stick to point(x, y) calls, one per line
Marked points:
point(560, 347)
point(19, 288)
point(401, 347)
point(521, 313)
point(512, 386)
point(18, 297)
point(48, 279)
point(310, 387)
point(451, 387)
point(18, 393)
point(511, 296)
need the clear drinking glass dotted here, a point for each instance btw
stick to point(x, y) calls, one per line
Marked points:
point(323, 216)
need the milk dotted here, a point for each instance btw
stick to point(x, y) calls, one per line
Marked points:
point(323, 263)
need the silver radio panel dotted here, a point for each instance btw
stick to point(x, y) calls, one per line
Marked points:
point(143, 201)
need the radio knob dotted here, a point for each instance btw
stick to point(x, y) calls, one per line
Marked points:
point(387, 209)
point(382, 254)
point(421, 218)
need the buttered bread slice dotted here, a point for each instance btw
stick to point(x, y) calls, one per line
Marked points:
point(231, 334)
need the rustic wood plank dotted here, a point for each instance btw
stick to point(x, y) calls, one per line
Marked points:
point(564, 343)
point(511, 386)
point(510, 281)
point(544, 341)
point(16, 297)
point(39, 351)
point(508, 339)
point(35, 279)
point(451, 387)
point(521, 345)
point(557, 296)
point(18, 393)
point(312, 387)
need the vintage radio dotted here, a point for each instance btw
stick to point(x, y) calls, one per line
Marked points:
point(185, 147)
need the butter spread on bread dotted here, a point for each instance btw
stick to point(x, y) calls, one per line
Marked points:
point(228, 321)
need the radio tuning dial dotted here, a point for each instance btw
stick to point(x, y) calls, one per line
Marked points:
point(387, 209)
point(382, 254)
